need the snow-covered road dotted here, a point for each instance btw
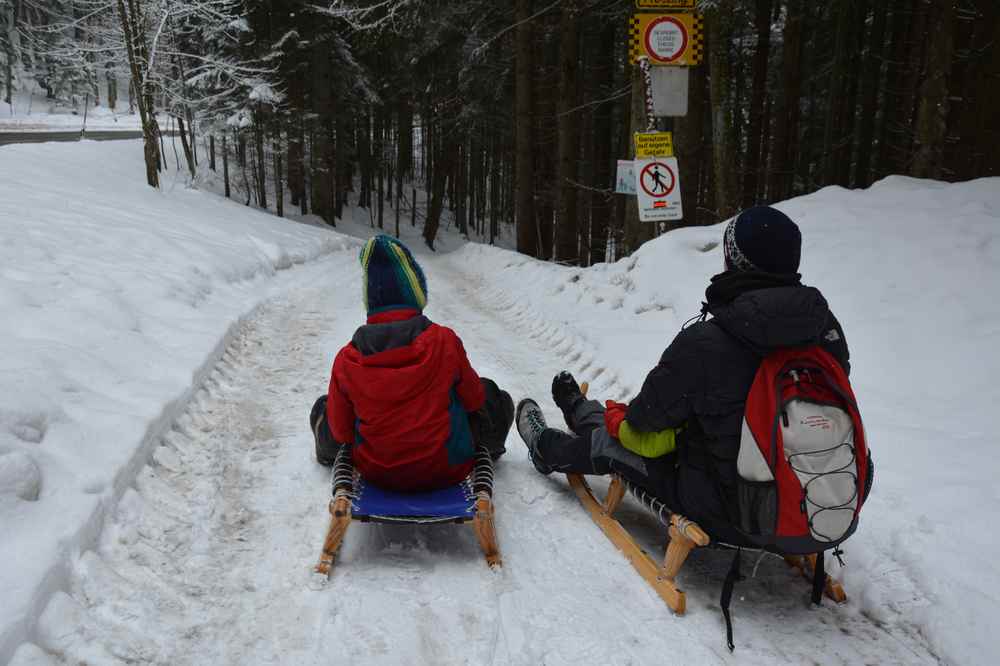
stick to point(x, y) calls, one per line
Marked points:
point(207, 560)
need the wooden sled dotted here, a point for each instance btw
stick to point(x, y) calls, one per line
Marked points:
point(685, 535)
point(354, 500)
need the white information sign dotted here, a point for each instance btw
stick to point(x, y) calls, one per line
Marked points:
point(670, 91)
point(625, 182)
point(658, 186)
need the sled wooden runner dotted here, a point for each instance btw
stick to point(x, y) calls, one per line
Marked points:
point(684, 536)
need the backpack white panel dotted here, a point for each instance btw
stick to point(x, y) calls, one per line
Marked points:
point(750, 462)
point(819, 446)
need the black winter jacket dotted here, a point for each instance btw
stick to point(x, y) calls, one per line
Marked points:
point(704, 376)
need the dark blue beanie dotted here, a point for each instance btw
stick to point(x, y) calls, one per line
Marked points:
point(392, 277)
point(763, 239)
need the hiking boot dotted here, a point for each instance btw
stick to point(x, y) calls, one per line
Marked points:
point(566, 393)
point(530, 425)
point(326, 448)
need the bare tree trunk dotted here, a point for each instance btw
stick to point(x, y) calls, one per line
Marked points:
point(845, 157)
point(988, 153)
point(342, 182)
point(211, 152)
point(459, 182)
point(907, 111)
point(527, 229)
point(193, 134)
point(259, 126)
point(755, 135)
point(433, 220)
point(872, 76)
point(225, 163)
point(601, 202)
point(279, 187)
point(688, 145)
point(131, 29)
point(187, 146)
point(932, 117)
point(839, 73)
point(890, 125)
point(786, 115)
point(13, 12)
point(380, 168)
point(720, 31)
point(112, 85)
point(567, 241)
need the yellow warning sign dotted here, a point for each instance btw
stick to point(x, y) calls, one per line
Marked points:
point(667, 39)
point(665, 4)
point(654, 144)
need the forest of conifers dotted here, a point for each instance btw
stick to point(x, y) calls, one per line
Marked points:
point(512, 114)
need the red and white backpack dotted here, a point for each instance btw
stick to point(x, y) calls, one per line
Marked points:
point(803, 464)
point(803, 461)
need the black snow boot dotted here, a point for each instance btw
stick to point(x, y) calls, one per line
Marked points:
point(566, 394)
point(530, 425)
point(326, 447)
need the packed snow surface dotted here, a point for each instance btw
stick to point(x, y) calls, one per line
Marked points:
point(161, 366)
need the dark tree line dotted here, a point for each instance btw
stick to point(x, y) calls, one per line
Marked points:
point(510, 115)
point(515, 112)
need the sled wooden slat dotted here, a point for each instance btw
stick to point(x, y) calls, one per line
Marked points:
point(340, 520)
point(486, 531)
point(644, 565)
point(832, 590)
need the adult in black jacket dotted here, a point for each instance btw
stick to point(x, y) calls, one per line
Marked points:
point(697, 392)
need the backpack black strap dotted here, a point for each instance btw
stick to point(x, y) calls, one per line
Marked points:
point(819, 579)
point(733, 577)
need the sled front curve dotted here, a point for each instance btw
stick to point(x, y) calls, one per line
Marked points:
point(470, 501)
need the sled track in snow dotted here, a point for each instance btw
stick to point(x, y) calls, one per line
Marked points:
point(207, 560)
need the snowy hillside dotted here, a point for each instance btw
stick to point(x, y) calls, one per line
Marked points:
point(117, 301)
point(159, 503)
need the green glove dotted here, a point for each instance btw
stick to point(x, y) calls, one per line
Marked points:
point(648, 444)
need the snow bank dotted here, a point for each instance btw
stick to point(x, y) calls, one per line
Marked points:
point(909, 267)
point(115, 298)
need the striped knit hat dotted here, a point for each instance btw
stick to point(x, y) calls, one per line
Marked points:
point(392, 277)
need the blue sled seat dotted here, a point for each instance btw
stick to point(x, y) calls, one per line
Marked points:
point(452, 504)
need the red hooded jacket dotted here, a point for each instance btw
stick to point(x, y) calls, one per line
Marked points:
point(399, 393)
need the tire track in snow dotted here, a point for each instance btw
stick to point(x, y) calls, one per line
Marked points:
point(203, 561)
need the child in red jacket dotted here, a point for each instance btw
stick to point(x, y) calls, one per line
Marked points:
point(402, 392)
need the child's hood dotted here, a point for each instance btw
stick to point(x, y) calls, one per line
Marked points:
point(400, 359)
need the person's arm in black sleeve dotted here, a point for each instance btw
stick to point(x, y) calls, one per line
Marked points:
point(835, 342)
point(665, 400)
